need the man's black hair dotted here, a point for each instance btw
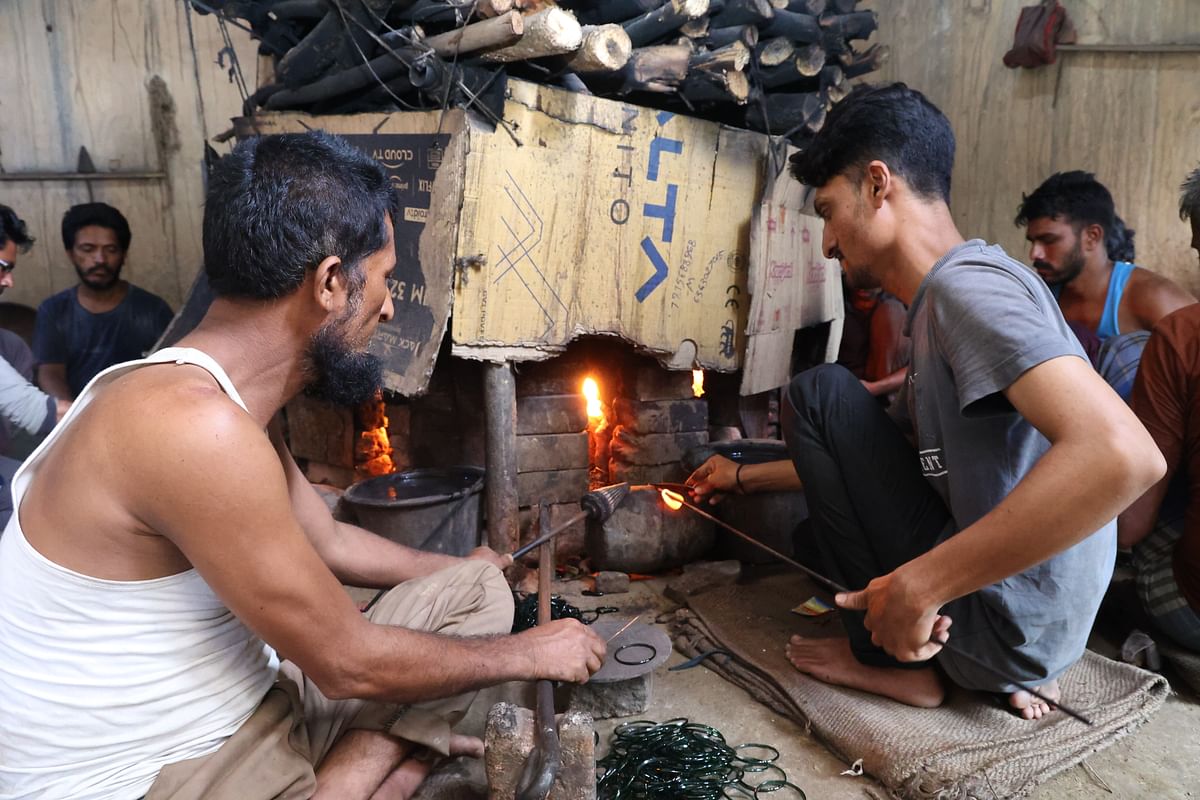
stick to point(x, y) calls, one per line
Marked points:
point(893, 124)
point(100, 214)
point(1119, 241)
point(1075, 196)
point(279, 205)
point(12, 229)
point(1189, 197)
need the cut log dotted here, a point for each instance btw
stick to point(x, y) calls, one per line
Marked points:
point(695, 29)
point(381, 68)
point(801, 28)
point(719, 37)
point(743, 12)
point(547, 33)
point(859, 25)
point(810, 59)
point(814, 7)
point(454, 12)
point(780, 113)
point(722, 86)
point(657, 69)
point(299, 9)
point(733, 57)
point(605, 48)
point(832, 83)
point(856, 63)
point(788, 74)
point(617, 10)
point(840, 6)
point(774, 52)
point(482, 35)
point(492, 8)
point(659, 23)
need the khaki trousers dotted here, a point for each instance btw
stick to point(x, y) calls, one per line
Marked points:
point(276, 752)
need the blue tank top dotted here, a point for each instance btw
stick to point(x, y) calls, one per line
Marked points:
point(1109, 326)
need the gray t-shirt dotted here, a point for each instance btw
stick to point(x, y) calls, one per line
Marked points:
point(978, 322)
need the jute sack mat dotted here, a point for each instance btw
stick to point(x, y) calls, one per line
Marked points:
point(967, 748)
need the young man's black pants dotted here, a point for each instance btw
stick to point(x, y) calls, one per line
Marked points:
point(870, 509)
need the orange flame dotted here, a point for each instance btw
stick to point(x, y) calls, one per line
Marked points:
point(672, 500)
point(698, 382)
point(591, 390)
point(374, 451)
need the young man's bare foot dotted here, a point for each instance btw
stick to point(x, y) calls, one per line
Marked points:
point(1031, 707)
point(832, 661)
point(405, 779)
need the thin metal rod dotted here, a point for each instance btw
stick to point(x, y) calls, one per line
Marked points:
point(545, 537)
point(837, 587)
point(816, 576)
point(82, 176)
point(624, 628)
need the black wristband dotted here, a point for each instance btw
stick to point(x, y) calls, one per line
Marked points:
point(738, 477)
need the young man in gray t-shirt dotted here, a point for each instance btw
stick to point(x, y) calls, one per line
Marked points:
point(988, 499)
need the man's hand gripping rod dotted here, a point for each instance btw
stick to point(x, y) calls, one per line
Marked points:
point(837, 587)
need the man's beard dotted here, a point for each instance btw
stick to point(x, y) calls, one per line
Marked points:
point(341, 374)
point(860, 278)
point(99, 278)
point(1072, 265)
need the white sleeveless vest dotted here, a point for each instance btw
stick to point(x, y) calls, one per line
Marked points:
point(102, 683)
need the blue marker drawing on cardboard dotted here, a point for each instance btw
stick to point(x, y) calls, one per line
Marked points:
point(531, 226)
point(664, 211)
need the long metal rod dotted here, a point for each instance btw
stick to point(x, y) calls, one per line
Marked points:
point(545, 537)
point(837, 587)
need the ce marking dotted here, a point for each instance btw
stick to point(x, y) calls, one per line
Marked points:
point(732, 302)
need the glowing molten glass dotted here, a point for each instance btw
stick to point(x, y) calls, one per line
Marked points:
point(698, 382)
point(591, 390)
point(672, 500)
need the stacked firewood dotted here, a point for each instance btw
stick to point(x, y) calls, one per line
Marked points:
point(770, 65)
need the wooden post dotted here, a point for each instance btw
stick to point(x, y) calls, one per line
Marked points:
point(500, 408)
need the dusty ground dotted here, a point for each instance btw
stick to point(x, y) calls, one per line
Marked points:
point(1161, 760)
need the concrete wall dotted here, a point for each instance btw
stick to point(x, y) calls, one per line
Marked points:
point(1132, 118)
point(137, 83)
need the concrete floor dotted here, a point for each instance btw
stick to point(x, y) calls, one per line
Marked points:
point(1160, 760)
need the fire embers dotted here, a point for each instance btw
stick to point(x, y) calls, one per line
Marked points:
point(373, 451)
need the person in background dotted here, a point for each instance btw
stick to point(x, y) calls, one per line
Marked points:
point(1163, 526)
point(1075, 241)
point(980, 507)
point(102, 321)
point(874, 347)
point(26, 413)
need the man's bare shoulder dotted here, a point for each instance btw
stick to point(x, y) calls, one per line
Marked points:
point(1154, 296)
point(174, 421)
point(170, 393)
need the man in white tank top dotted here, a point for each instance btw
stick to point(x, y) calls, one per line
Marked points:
point(165, 544)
